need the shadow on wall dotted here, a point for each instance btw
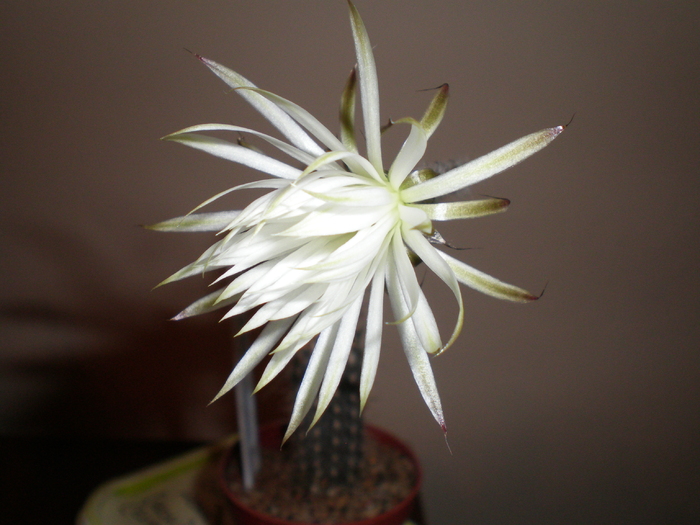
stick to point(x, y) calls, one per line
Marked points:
point(115, 367)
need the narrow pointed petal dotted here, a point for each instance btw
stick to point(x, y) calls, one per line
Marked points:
point(414, 218)
point(354, 250)
point(447, 211)
point(431, 257)
point(322, 314)
point(318, 130)
point(409, 155)
point(270, 111)
point(198, 222)
point(311, 381)
point(303, 117)
point(361, 196)
point(483, 167)
point(294, 152)
point(417, 357)
point(278, 361)
point(331, 157)
point(409, 287)
point(258, 184)
point(197, 267)
point(419, 362)
point(425, 325)
point(373, 334)
point(257, 351)
point(206, 304)
point(485, 283)
point(347, 112)
point(436, 111)
point(338, 358)
point(286, 306)
point(420, 314)
point(234, 152)
point(369, 89)
point(336, 221)
point(244, 281)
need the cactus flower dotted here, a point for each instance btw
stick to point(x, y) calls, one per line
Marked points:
point(338, 227)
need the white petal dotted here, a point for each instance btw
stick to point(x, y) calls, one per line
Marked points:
point(408, 284)
point(257, 351)
point(303, 117)
point(358, 196)
point(431, 257)
point(206, 304)
point(361, 165)
point(322, 314)
point(350, 158)
point(335, 220)
point(373, 334)
point(234, 152)
point(295, 153)
point(241, 256)
point(338, 358)
point(414, 218)
point(289, 271)
point(245, 281)
point(419, 362)
point(312, 378)
point(201, 265)
point(416, 355)
point(286, 306)
point(270, 111)
point(409, 155)
point(369, 89)
point(258, 184)
point(359, 252)
point(423, 320)
point(278, 361)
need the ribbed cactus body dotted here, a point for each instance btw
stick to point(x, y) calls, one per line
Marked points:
point(330, 454)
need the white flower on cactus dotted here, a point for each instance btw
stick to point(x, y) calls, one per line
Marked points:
point(337, 229)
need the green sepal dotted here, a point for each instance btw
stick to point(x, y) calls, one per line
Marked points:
point(436, 110)
point(446, 211)
point(347, 112)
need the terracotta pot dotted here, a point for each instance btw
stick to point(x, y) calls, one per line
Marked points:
point(271, 437)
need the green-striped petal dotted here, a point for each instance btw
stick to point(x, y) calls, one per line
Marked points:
point(483, 167)
point(196, 222)
point(484, 283)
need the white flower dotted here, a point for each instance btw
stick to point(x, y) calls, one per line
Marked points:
point(305, 254)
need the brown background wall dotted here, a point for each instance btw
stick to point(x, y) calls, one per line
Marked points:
point(580, 408)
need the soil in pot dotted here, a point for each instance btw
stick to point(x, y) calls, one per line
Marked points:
point(389, 477)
